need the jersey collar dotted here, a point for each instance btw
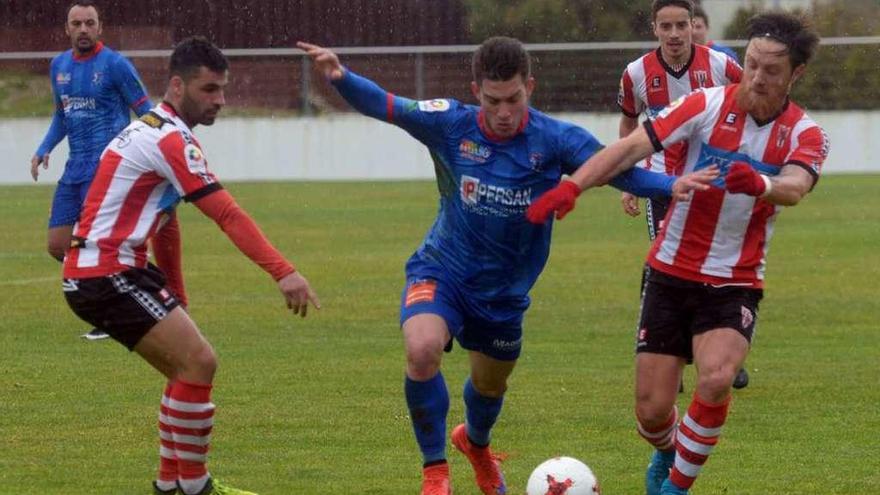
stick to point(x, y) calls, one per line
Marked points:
point(491, 136)
point(684, 68)
point(82, 58)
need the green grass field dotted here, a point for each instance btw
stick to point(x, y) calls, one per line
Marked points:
point(315, 406)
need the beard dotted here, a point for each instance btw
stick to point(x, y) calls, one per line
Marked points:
point(761, 107)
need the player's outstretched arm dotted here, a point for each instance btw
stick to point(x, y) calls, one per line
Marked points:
point(597, 171)
point(250, 240)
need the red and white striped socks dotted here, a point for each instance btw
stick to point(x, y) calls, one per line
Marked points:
point(661, 438)
point(185, 423)
point(697, 435)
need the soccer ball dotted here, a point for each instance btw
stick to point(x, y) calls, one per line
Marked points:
point(562, 476)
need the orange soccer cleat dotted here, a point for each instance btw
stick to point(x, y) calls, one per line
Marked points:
point(487, 466)
point(435, 480)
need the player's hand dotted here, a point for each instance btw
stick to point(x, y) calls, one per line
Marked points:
point(560, 199)
point(325, 60)
point(694, 181)
point(35, 165)
point(630, 203)
point(298, 293)
point(743, 179)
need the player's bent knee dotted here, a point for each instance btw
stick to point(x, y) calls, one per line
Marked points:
point(423, 362)
point(489, 388)
point(714, 385)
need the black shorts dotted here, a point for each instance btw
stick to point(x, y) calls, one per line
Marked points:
point(126, 305)
point(674, 310)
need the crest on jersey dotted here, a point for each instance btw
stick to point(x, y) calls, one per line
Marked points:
point(536, 160)
point(97, 77)
point(782, 135)
point(434, 105)
point(655, 82)
point(702, 78)
point(195, 160)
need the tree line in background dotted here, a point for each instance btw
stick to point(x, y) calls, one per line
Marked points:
point(840, 77)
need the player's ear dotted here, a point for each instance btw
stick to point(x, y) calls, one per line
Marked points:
point(475, 89)
point(176, 85)
point(796, 74)
point(531, 84)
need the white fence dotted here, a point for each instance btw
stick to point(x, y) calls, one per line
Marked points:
point(353, 147)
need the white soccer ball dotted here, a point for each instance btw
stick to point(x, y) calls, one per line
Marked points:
point(563, 476)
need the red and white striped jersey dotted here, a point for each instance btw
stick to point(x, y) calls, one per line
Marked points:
point(717, 237)
point(152, 158)
point(649, 84)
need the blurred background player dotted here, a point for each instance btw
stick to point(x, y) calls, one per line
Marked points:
point(653, 81)
point(108, 281)
point(94, 88)
point(470, 278)
point(701, 33)
point(707, 278)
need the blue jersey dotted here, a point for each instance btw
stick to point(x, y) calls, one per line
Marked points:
point(93, 95)
point(723, 49)
point(481, 239)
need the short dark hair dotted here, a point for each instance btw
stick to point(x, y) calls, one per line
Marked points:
point(500, 59)
point(700, 12)
point(659, 4)
point(195, 52)
point(793, 31)
point(84, 3)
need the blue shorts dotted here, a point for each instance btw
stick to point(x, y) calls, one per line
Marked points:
point(493, 329)
point(67, 203)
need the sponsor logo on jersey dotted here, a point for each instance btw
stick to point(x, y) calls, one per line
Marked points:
point(63, 78)
point(124, 137)
point(76, 103)
point(471, 150)
point(621, 94)
point(702, 78)
point(434, 105)
point(474, 192)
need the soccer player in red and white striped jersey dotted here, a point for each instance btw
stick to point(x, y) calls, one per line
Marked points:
point(708, 264)
point(108, 282)
point(653, 81)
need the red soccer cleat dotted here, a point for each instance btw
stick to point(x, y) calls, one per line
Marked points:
point(435, 480)
point(487, 466)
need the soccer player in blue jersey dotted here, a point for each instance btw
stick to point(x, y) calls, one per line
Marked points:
point(471, 276)
point(701, 33)
point(94, 88)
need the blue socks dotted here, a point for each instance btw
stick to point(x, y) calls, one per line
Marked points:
point(428, 404)
point(482, 412)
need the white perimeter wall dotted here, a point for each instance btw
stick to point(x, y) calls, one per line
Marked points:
point(353, 147)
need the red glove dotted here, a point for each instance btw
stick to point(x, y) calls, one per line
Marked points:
point(743, 179)
point(560, 199)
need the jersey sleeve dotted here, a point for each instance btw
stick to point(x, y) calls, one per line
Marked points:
point(811, 151)
point(678, 121)
point(576, 146)
point(130, 86)
point(57, 129)
point(629, 104)
point(184, 165)
point(427, 120)
point(732, 70)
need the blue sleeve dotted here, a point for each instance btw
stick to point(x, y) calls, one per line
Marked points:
point(57, 131)
point(129, 84)
point(643, 183)
point(427, 121)
point(577, 146)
